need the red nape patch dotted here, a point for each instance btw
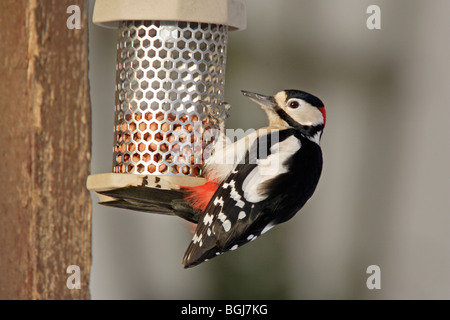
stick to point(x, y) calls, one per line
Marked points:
point(198, 197)
point(324, 114)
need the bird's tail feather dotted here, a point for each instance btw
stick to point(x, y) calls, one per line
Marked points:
point(153, 200)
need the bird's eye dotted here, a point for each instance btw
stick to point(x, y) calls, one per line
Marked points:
point(294, 104)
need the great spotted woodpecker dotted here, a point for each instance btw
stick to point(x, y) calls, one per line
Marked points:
point(276, 171)
point(252, 184)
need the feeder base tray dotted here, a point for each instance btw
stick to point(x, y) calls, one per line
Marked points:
point(149, 193)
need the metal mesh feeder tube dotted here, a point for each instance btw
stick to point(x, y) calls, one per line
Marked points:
point(167, 73)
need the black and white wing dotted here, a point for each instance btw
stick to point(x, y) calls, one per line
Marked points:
point(242, 209)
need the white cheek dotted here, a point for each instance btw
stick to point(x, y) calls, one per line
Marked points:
point(316, 137)
point(308, 115)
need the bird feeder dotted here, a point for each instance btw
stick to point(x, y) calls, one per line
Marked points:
point(170, 79)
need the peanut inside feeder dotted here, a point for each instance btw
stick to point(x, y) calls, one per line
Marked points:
point(161, 142)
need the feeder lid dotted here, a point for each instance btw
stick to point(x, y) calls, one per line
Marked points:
point(108, 13)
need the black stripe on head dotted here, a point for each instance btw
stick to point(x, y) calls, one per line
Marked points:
point(283, 115)
point(312, 100)
point(307, 131)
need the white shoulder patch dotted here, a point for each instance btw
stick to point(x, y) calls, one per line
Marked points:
point(269, 168)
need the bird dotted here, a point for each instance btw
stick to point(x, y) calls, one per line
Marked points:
point(251, 185)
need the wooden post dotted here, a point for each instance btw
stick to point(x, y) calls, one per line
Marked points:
point(45, 209)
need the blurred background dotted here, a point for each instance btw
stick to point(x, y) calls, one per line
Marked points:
point(384, 195)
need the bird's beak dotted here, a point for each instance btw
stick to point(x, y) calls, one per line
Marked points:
point(265, 101)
